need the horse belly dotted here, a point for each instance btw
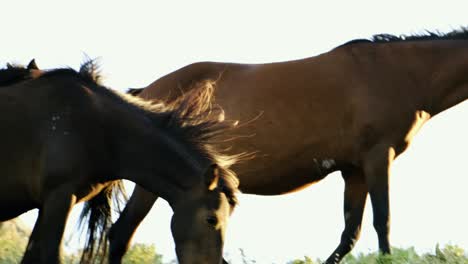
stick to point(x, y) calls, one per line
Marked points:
point(289, 130)
point(292, 147)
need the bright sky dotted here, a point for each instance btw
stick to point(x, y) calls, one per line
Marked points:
point(139, 42)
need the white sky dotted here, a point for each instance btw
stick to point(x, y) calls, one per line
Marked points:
point(139, 42)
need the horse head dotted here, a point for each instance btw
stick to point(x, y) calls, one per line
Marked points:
point(200, 220)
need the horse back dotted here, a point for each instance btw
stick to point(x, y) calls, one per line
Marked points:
point(338, 102)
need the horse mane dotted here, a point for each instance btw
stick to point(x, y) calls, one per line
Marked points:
point(191, 118)
point(14, 73)
point(197, 120)
point(89, 73)
point(457, 34)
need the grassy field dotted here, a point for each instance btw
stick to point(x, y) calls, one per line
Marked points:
point(448, 254)
point(14, 237)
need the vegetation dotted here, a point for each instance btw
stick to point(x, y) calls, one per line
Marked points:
point(14, 236)
point(141, 253)
point(137, 254)
point(449, 254)
point(13, 240)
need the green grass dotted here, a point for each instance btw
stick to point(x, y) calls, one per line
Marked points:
point(14, 237)
point(449, 254)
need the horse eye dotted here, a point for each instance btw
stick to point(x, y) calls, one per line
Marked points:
point(212, 220)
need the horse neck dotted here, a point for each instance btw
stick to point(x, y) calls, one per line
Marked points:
point(449, 84)
point(152, 156)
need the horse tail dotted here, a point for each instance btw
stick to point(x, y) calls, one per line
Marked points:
point(97, 213)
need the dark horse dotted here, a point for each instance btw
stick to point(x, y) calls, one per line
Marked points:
point(352, 109)
point(65, 139)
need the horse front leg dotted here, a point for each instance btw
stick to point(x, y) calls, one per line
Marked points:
point(377, 169)
point(120, 234)
point(52, 224)
point(354, 202)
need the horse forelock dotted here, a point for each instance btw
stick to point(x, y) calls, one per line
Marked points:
point(228, 184)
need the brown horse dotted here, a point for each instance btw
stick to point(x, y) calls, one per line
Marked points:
point(65, 138)
point(352, 109)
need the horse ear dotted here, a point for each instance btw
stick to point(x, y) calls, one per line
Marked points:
point(212, 177)
point(32, 65)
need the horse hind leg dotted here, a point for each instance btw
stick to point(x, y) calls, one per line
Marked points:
point(354, 201)
point(377, 164)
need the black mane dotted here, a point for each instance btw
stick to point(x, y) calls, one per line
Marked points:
point(89, 73)
point(458, 34)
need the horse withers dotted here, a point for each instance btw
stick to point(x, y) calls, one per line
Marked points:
point(353, 109)
point(65, 138)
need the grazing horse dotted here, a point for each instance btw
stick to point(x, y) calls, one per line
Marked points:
point(65, 139)
point(353, 109)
